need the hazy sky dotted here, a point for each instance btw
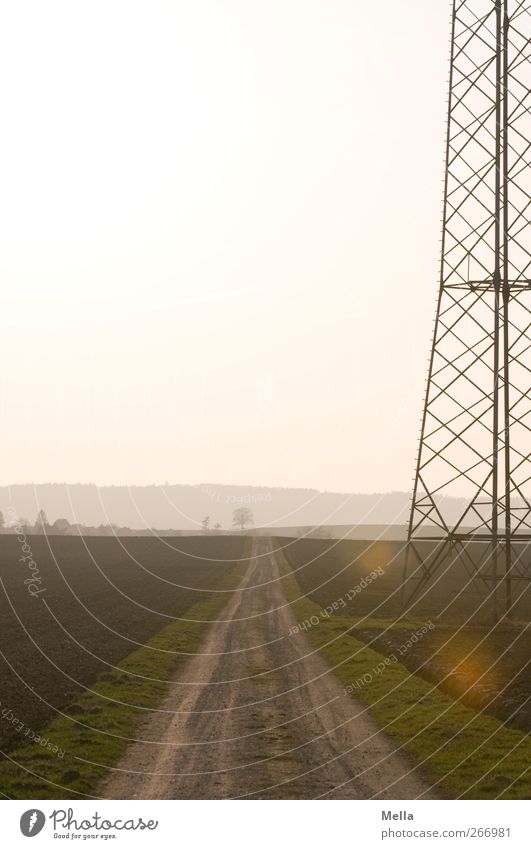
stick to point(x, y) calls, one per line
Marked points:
point(219, 238)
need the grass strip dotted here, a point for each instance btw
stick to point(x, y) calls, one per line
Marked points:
point(466, 754)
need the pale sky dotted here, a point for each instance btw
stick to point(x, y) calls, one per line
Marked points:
point(219, 239)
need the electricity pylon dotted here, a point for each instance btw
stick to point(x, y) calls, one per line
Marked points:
point(472, 486)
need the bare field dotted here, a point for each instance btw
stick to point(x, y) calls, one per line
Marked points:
point(100, 600)
point(238, 700)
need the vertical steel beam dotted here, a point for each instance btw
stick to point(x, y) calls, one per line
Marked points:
point(506, 298)
point(496, 280)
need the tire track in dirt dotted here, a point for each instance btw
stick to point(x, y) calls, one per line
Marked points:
point(260, 717)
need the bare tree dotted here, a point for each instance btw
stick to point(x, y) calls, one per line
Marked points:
point(241, 517)
point(205, 524)
point(217, 526)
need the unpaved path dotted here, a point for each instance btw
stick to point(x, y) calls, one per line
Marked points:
point(261, 716)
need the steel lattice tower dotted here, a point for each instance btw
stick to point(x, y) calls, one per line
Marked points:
point(475, 437)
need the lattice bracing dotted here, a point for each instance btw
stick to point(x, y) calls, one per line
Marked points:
point(473, 475)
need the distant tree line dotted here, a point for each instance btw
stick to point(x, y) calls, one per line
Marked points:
point(242, 517)
point(61, 526)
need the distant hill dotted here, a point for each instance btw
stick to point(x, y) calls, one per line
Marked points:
point(184, 506)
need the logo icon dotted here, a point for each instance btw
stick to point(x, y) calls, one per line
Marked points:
point(31, 822)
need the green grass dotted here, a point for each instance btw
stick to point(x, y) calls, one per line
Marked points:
point(95, 733)
point(468, 755)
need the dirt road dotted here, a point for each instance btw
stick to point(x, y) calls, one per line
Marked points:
point(257, 714)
